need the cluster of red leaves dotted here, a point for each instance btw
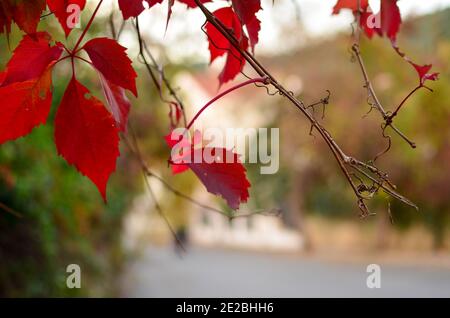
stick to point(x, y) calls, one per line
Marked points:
point(86, 133)
point(133, 8)
point(26, 14)
point(241, 13)
point(220, 177)
point(240, 18)
point(390, 21)
point(25, 86)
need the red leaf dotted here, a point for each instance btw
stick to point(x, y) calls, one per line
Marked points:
point(110, 59)
point(133, 8)
point(26, 105)
point(227, 180)
point(219, 45)
point(368, 24)
point(233, 66)
point(117, 101)
point(390, 18)
point(183, 148)
point(27, 14)
point(86, 135)
point(171, 140)
point(61, 7)
point(350, 4)
point(253, 28)
point(424, 73)
point(422, 70)
point(219, 169)
point(31, 58)
point(246, 11)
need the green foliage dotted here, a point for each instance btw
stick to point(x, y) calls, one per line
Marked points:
point(63, 220)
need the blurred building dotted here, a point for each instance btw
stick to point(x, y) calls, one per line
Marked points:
point(256, 232)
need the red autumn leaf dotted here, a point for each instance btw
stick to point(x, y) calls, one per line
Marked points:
point(350, 4)
point(233, 65)
point(86, 135)
point(62, 10)
point(110, 58)
point(177, 159)
point(390, 26)
point(118, 102)
point(27, 14)
point(181, 148)
point(227, 180)
point(26, 105)
point(390, 18)
point(246, 11)
point(133, 8)
point(179, 168)
point(31, 58)
point(217, 168)
point(368, 23)
point(424, 73)
point(171, 140)
point(219, 45)
point(390, 22)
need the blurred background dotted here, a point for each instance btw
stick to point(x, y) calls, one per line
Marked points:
point(51, 216)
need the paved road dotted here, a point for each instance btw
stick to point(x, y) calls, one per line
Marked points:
point(218, 273)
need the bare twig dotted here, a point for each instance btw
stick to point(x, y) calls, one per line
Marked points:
point(10, 210)
point(143, 49)
point(372, 96)
point(395, 112)
point(344, 161)
point(134, 148)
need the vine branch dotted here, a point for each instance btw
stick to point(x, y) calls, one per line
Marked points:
point(344, 161)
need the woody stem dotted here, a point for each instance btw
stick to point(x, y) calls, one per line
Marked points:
point(224, 93)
